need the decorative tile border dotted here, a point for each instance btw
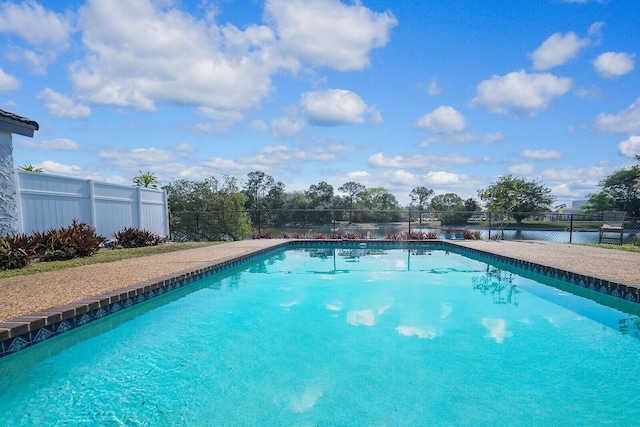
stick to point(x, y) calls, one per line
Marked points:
point(22, 332)
point(615, 288)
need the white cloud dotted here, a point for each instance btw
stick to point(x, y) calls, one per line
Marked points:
point(375, 117)
point(522, 169)
point(520, 93)
point(420, 161)
point(592, 92)
point(328, 32)
point(457, 138)
point(63, 106)
point(145, 52)
point(595, 31)
point(139, 54)
point(541, 154)
point(556, 50)
point(490, 138)
point(137, 158)
point(614, 64)
point(223, 120)
point(275, 157)
point(333, 107)
point(56, 168)
point(185, 148)
point(48, 32)
point(579, 181)
point(441, 178)
point(626, 121)
point(630, 147)
point(58, 144)
point(8, 82)
point(259, 125)
point(443, 119)
point(33, 23)
point(574, 183)
point(433, 89)
point(286, 127)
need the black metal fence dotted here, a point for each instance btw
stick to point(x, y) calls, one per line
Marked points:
point(391, 224)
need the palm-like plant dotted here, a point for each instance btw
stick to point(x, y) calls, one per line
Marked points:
point(30, 168)
point(146, 180)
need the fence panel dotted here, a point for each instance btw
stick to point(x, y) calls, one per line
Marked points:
point(50, 201)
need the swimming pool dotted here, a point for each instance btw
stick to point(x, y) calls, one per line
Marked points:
point(326, 335)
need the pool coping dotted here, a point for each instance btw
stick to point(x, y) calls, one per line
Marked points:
point(24, 331)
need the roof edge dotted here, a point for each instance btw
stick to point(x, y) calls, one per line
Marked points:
point(17, 124)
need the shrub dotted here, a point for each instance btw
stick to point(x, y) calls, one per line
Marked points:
point(343, 235)
point(76, 241)
point(390, 235)
point(267, 234)
point(471, 235)
point(412, 235)
point(12, 257)
point(22, 241)
point(130, 237)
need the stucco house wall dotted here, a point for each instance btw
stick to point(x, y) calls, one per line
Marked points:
point(8, 206)
point(10, 124)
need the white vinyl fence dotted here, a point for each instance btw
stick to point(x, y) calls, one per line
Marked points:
point(52, 201)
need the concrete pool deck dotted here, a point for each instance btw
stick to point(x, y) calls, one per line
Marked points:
point(31, 302)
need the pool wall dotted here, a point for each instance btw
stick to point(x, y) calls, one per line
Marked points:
point(25, 331)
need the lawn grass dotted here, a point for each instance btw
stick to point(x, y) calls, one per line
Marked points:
point(627, 247)
point(105, 255)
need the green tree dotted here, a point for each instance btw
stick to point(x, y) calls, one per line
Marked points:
point(620, 191)
point(258, 184)
point(296, 204)
point(379, 204)
point(264, 195)
point(146, 180)
point(450, 209)
point(321, 195)
point(352, 190)
point(420, 199)
point(516, 197)
point(321, 198)
point(210, 209)
point(471, 205)
point(30, 168)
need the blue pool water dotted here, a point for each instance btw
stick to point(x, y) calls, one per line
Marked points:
point(331, 336)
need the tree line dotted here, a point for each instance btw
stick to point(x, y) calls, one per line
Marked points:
point(239, 206)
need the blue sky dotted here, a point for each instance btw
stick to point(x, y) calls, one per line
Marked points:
point(444, 94)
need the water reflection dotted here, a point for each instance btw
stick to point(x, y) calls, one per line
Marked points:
point(630, 326)
point(363, 258)
point(263, 266)
point(499, 284)
point(496, 329)
point(361, 317)
point(409, 331)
